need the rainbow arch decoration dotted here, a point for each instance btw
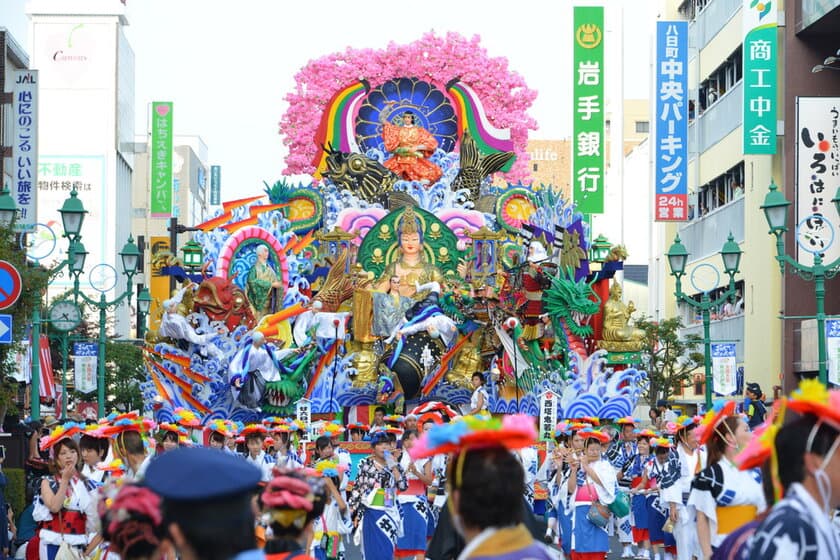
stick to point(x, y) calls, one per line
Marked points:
point(336, 128)
point(471, 116)
point(249, 235)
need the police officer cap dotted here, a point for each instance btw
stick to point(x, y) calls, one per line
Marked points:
point(197, 474)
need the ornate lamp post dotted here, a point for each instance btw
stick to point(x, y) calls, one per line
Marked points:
point(815, 240)
point(8, 208)
point(677, 259)
point(144, 302)
point(192, 254)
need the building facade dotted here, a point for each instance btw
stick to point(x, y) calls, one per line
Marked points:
point(86, 129)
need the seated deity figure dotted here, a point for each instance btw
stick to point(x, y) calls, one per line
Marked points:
point(411, 266)
point(411, 145)
point(261, 283)
point(617, 334)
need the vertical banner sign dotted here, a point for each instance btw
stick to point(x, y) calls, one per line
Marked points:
point(760, 55)
point(671, 174)
point(215, 185)
point(161, 160)
point(724, 369)
point(303, 413)
point(817, 177)
point(85, 356)
point(548, 414)
point(588, 111)
point(25, 147)
point(832, 347)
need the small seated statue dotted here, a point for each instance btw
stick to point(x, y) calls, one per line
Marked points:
point(617, 335)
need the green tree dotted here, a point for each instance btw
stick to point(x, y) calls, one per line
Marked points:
point(123, 375)
point(35, 280)
point(670, 360)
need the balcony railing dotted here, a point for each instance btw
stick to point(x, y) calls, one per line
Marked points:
point(721, 118)
point(730, 329)
point(711, 20)
point(705, 237)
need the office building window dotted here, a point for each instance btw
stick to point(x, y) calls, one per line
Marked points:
point(642, 127)
point(721, 80)
point(536, 167)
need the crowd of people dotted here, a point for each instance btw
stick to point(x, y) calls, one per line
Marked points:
point(443, 486)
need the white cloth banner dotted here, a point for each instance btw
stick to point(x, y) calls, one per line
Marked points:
point(85, 359)
point(724, 369)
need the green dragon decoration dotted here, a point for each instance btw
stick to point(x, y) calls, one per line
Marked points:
point(280, 397)
point(570, 302)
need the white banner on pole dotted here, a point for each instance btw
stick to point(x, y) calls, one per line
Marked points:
point(549, 401)
point(724, 369)
point(85, 359)
point(832, 347)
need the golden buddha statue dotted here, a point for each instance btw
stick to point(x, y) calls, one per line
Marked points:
point(617, 335)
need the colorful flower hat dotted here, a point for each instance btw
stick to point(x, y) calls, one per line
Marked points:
point(646, 433)
point(562, 429)
point(358, 426)
point(720, 411)
point(95, 430)
point(394, 419)
point(662, 442)
point(591, 433)
point(59, 433)
point(297, 426)
point(328, 468)
point(591, 420)
point(812, 397)
point(283, 429)
point(332, 429)
point(435, 406)
point(271, 421)
point(394, 430)
point(680, 424)
point(576, 426)
point(222, 427)
point(186, 418)
point(128, 422)
point(174, 428)
point(469, 432)
point(269, 442)
point(254, 429)
point(627, 421)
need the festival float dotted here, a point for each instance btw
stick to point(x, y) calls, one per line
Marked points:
point(419, 253)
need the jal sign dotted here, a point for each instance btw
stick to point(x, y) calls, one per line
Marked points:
point(10, 285)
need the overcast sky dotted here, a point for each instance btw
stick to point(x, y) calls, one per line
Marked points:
point(228, 65)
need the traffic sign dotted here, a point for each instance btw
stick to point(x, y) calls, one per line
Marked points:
point(10, 285)
point(5, 329)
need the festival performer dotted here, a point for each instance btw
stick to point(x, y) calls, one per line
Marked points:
point(692, 460)
point(479, 401)
point(65, 509)
point(806, 466)
point(330, 528)
point(565, 511)
point(591, 514)
point(487, 483)
point(723, 496)
point(639, 490)
point(413, 501)
point(660, 472)
point(358, 431)
point(530, 460)
point(130, 433)
point(373, 500)
point(220, 432)
point(621, 454)
point(550, 476)
point(94, 446)
point(132, 523)
point(171, 436)
point(534, 281)
point(411, 146)
point(333, 431)
point(287, 457)
point(255, 435)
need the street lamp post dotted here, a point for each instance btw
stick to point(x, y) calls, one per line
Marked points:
point(775, 211)
point(144, 302)
point(677, 259)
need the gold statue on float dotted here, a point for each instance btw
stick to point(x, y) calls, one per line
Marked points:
point(617, 334)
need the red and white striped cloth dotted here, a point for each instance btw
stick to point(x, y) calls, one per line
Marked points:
point(47, 385)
